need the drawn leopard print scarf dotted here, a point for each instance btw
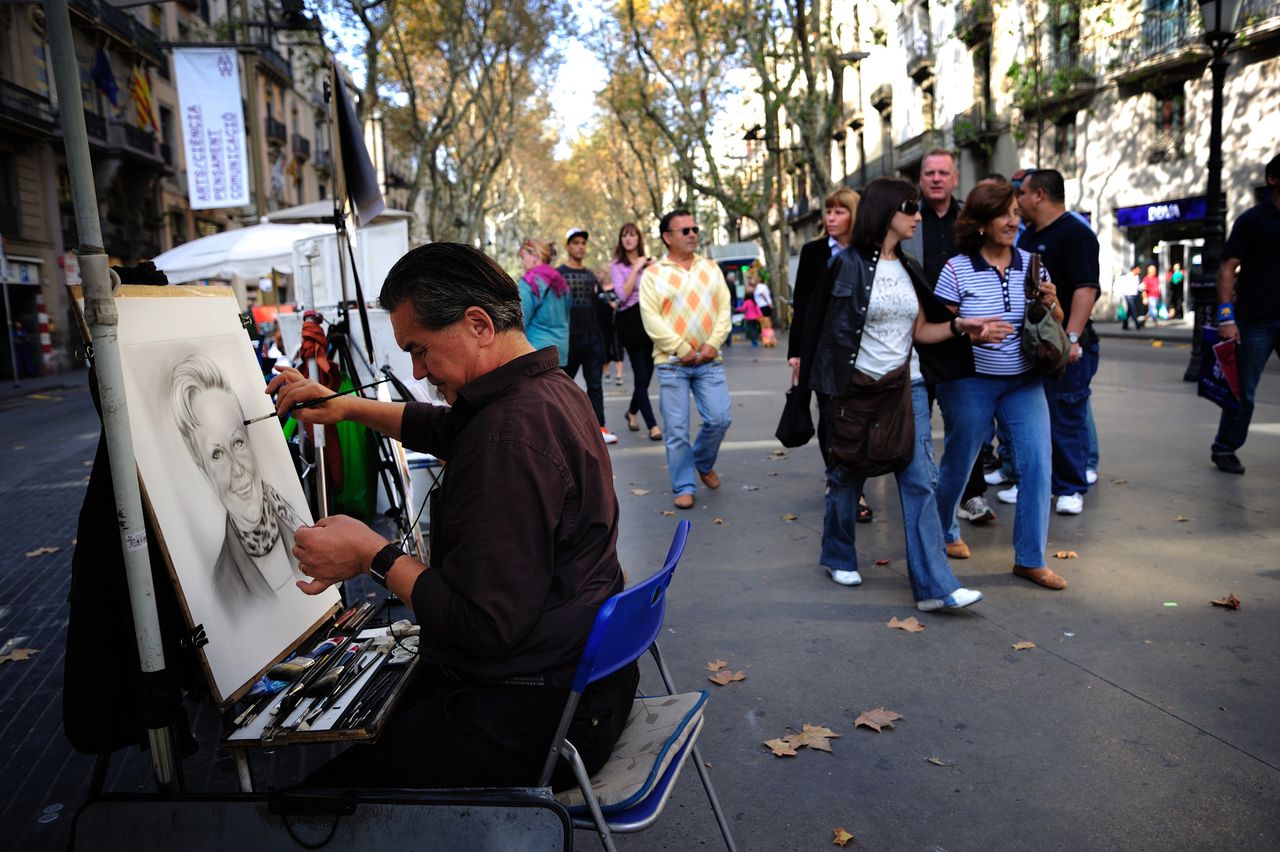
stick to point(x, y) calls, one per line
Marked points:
point(259, 539)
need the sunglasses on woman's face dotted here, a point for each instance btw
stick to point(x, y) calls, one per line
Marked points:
point(910, 207)
point(684, 232)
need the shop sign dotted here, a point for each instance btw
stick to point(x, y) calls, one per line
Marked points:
point(1163, 212)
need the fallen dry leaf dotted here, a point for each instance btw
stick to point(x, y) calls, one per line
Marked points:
point(1230, 601)
point(911, 624)
point(751, 488)
point(18, 655)
point(1066, 554)
point(1181, 519)
point(883, 561)
point(668, 513)
point(1119, 482)
point(842, 837)
point(724, 677)
point(937, 761)
point(640, 492)
point(780, 747)
point(716, 665)
point(1022, 646)
point(813, 736)
point(1156, 344)
point(790, 517)
point(778, 454)
point(41, 551)
point(718, 522)
point(773, 473)
point(877, 719)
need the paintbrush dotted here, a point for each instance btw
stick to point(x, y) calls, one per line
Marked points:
point(310, 403)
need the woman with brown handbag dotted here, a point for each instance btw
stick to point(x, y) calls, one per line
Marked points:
point(856, 352)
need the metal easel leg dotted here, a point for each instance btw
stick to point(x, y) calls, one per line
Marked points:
point(243, 771)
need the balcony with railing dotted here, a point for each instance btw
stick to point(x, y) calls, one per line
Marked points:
point(323, 163)
point(1057, 83)
point(276, 64)
point(912, 151)
point(920, 56)
point(976, 127)
point(1259, 20)
point(882, 96)
point(973, 22)
point(1162, 43)
point(149, 44)
point(117, 21)
point(126, 139)
point(276, 131)
point(301, 147)
point(96, 126)
point(25, 108)
point(1166, 146)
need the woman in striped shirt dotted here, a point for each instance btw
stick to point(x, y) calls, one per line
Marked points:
point(989, 279)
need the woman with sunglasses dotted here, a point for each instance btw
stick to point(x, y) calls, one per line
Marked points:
point(990, 276)
point(863, 319)
point(841, 207)
point(544, 298)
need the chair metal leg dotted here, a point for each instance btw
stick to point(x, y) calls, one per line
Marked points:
point(584, 782)
point(711, 797)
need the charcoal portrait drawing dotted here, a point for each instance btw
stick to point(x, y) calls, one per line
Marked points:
point(253, 564)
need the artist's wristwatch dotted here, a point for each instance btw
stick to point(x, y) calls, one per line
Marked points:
point(382, 563)
point(1073, 337)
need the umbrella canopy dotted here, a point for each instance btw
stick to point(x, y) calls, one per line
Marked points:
point(317, 210)
point(247, 252)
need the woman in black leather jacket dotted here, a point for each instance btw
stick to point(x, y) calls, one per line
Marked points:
point(874, 315)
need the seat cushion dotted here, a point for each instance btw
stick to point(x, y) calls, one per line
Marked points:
point(656, 730)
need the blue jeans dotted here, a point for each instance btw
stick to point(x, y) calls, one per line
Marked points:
point(927, 565)
point(1092, 463)
point(967, 408)
point(1257, 342)
point(710, 392)
point(1068, 399)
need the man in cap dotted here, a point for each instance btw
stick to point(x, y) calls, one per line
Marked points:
point(586, 342)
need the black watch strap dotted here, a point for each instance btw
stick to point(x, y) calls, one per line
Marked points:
point(382, 563)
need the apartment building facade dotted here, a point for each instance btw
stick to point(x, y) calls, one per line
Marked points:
point(1115, 95)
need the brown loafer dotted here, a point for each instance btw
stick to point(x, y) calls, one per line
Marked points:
point(1041, 577)
point(958, 549)
point(683, 501)
point(711, 479)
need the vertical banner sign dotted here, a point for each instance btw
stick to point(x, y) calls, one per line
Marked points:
point(213, 132)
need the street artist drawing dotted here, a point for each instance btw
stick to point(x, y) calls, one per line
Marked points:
point(524, 532)
point(254, 563)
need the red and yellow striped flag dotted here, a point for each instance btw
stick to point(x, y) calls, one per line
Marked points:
point(143, 104)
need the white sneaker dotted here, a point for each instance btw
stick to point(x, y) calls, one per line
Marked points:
point(1070, 504)
point(957, 599)
point(995, 477)
point(975, 510)
point(845, 578)
point(609, 437)
point(1091, 476)
point(1009, 495)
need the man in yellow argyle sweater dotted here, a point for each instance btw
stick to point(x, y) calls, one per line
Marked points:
point(684, 304)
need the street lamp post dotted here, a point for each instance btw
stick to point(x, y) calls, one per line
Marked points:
point(1219, 21)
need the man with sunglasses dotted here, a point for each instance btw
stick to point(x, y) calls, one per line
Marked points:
point(1069, 250)
point(684, 303)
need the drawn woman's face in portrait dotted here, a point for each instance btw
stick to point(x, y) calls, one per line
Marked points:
point(226, 455)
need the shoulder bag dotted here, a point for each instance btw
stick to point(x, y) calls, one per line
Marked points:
point(873, 428)
point(1043, 339)
point(795, 427)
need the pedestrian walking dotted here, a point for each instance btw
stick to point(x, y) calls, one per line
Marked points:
point(586, 341)
point(751, 315)
point(544, 299)
point(1069, 250)
point(1249, 311)
point(607, 314)
point(933, 244)
point(840, 210)
point(1151, 290)
point(629, 263)
point(684, 303)
point(989, 278)
point(1134, 298)
point(856, 346)
point(764, 302)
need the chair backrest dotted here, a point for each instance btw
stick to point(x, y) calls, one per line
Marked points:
point(628, 623)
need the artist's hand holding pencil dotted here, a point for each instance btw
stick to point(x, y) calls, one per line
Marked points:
point(300, 397)
point(337, 548)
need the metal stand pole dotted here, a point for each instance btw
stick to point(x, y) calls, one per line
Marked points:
point(317, 441)
point(13, 333)
point(1205, 297)
point(100, 314)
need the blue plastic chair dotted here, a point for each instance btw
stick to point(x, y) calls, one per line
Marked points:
point(626, 626)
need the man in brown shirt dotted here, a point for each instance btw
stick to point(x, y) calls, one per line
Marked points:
point(523, 537)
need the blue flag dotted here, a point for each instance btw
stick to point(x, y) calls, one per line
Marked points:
point(104, 77)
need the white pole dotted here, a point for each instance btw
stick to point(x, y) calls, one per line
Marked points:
point(100, 314)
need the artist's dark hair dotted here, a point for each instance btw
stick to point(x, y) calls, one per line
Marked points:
point(880, 200)
point(619, 253)
point(1273, 168)
point(442, 280)
point(1049, 181)
point(666, 219)
point(986, 201)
